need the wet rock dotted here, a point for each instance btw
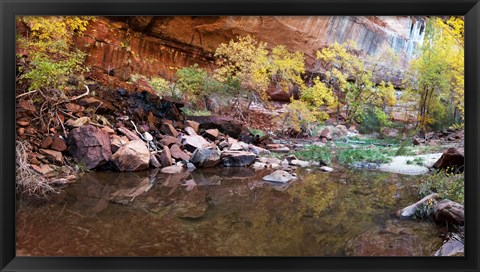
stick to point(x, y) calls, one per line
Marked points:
point(59, 144)
point(46, 142)
point(211, 134)
point(412, 209)
point(178, 153)
point(133, 156)
point(52, 155)
point(237, 158)
point(193, 206)
point(452, 158)
point(326, 169)
point(89, 145)
point(174, 169)
point(168, 129)
point(452, 247)
point(205, 157)
point(132, 136)
point(449, 211)
point(193, 125)
point(279, 176)
point(166, 157)
point(191, 143)
point(226, 125)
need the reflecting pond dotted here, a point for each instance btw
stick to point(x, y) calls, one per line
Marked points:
point(228, 212)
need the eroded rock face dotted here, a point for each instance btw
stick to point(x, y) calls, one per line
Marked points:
point(133, 156)
point(89, 145)
point(180, 41)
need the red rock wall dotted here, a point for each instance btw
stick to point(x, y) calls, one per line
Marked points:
point(158, 45)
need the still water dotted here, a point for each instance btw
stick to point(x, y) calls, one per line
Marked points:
point(228, 212)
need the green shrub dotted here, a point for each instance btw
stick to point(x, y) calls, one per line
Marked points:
point(447, 185)
point(374, 155)
point(373, 119)
point(315, 153)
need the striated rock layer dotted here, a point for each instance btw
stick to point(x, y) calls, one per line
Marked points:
point(157, 45)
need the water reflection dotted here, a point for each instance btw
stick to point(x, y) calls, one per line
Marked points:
point(226, 211)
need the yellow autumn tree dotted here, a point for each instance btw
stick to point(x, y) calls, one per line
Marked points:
point(353, 81)
point(435, 79)
point(47, 52)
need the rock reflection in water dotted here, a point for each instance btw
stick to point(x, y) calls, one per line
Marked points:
point(225, 211)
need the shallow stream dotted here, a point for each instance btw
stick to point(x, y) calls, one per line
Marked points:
point(228, 212)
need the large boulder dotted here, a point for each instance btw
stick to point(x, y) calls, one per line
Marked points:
point(237, 158)
point(205, 157)
point(452, 158)
point(133, 156)
point(226, 125)
point(90, 146)
point(449, 211)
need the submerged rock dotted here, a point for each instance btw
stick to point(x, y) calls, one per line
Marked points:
point(279, 176)
point(194, 206)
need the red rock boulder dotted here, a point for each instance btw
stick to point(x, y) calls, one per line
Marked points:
point(89, 145)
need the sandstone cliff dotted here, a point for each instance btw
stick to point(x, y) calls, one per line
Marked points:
point(158, 45)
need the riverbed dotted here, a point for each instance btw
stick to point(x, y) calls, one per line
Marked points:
point(229, 212)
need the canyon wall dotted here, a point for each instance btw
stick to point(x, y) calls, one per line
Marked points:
point(157, 46)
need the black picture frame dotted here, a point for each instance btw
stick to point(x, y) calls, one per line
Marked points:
point(11, 8)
